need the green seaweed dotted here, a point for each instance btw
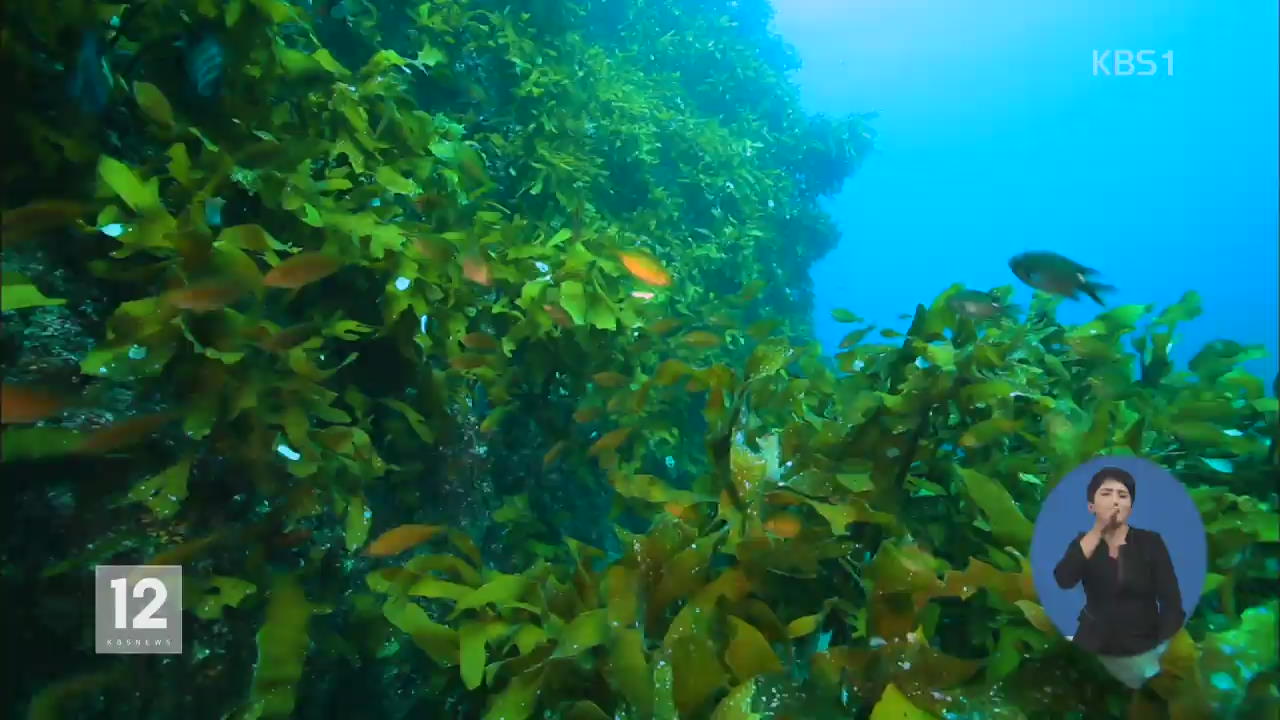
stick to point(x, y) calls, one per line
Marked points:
point(664, 502)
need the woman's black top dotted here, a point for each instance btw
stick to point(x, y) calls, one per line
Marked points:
point(1132, 602)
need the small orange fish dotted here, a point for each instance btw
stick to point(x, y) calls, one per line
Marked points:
point(783, 499)
point(610, 379)
point(302, 269)
point(338, 438)
point(587, 414)
point(761, 330)
point(206, 296)
point(663, 326)
point(22, 404)
point(701, 339)
point(480, 341)
point(476, 269)
point(620, 403)
point(784, 525)
point(724, 320)
point(401, 538)
point(554, 453)
point(293, 538)
point(40, 216)
point(428, 202)
point(683, 512)
point(184, 552)
point(670, 372)
point(751, 290)
point(287, 338)
point(610, 441)
point(123, 433)
point(433, 248)
point(645, 267)
point(641, 396)
point(468, 361)
point(559, 315)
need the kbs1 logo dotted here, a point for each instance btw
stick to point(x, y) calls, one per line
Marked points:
point(1122, 63)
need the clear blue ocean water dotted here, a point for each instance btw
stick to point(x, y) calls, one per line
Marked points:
point(996, 136)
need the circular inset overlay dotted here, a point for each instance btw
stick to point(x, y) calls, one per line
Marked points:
point(1160, 514)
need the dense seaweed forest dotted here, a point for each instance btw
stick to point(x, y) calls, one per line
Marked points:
point(460, 352)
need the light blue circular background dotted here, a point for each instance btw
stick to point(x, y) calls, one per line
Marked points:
point(1160, 504)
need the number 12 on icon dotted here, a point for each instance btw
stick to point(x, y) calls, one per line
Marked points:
point(138, 609)
point(144, 620)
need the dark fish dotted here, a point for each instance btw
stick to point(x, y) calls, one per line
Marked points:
point(979, 305)
point(205, 61)
point(1056, 274)
point(90, 82)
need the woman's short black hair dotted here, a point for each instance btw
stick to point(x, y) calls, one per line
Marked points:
point(1112, 473)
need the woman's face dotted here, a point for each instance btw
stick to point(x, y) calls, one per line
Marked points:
point(1111, 496)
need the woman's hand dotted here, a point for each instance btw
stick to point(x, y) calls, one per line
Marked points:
point(1104, 523)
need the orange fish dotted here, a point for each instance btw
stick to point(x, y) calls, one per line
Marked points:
point(401, 538)
point(751, 290)
point(206, 296)
point(338, 438)
point(468, 361)
point(701, 339)
point(620, 402)
point(645, 267)
point(185, 551)
point(40, 216)
point(302, 269)
point(123, 433)
point(427, 202)
point(763, 329)
point(287, 338)
point(587, 414)
point(683, 512)
point(480, 341)
point(553, 454)
point(641, 396)
point(663, 326)
point(783, 499)
point(433, 248)
point(784, 525)
point(610, 379)
point(476, 269)
point(21, 404)
point(723, 319)
point(610, 441)
point(293, 538)
point(670, 371)
point(559, 315)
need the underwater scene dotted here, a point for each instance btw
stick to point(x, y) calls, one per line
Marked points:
point(624, 360)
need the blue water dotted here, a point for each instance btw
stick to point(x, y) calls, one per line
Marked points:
point(996, 137)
